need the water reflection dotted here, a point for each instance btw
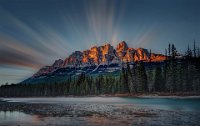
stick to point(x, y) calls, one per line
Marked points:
point(16, 117)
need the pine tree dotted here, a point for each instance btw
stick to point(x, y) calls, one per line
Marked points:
point(124, 81)
point(93, 87)
point(180, 77)
point(194, 49)
point(158, 83)
point(173, 51)
point(141, 78)
point(165, 67)
point(174, 76)
point(169, 49)
point(189, 52)
point(169, 77)
point(149, 55)
point(134, 82)
point(130, 79)
point(150, 78)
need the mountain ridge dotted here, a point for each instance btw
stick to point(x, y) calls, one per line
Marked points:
point(102, 55)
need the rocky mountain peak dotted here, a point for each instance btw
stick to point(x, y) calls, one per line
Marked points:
point(121, 49)
point(105, 54)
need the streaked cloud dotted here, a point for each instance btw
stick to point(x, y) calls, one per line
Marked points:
point(14, 74)
point(43, 46)
point(35, 33)
point(103, 18)
point(27, 52)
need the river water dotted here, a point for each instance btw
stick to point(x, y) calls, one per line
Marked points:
point(174, 104)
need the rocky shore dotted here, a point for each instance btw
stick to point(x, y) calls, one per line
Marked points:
point(100, 114)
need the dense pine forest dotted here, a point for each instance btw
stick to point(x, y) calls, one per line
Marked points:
point(177, 74)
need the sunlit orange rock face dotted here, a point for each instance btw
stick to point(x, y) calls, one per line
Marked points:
point(142, 54)
point(74, 59)
point(85, 58)
point(157, 57)
point(128, 54)
point(107, 54)
point(121, 49)
point(94, 54)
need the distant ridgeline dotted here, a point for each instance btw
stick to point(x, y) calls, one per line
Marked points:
point(105, 70)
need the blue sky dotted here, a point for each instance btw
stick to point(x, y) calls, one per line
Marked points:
point(34, 33)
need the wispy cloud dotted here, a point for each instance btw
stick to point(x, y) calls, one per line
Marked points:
point(102, 20)
point(26, 49)
point(42, 46)
point(15, 53)
point(13, 74)
point(35, 33)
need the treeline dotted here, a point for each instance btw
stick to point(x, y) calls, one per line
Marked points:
point(171, 76)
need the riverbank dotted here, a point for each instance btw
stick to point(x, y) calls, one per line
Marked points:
point(158, 94)
point(140, 95)
point(106, 112)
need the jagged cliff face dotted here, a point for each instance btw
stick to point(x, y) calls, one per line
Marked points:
point(105, 54)
point(121, 49)
point(48, 69)
point(74, 59)
point(94, 56)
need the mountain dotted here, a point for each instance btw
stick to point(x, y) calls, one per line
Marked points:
point(104, 58)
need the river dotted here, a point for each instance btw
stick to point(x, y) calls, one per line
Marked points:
point(152, 110)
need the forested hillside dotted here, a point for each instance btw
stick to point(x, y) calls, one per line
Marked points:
point(170, 76)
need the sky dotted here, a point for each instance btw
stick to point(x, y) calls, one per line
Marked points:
point(34, 33)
